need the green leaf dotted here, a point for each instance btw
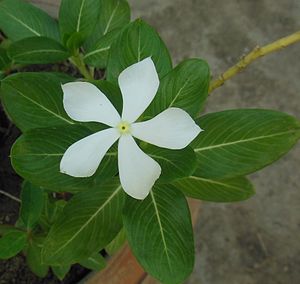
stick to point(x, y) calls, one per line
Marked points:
point(78, 17)
point(114, 14)
point(185, 87)
point(160, 234)
point(5, 229)
point(4, 59)
point(34, 258)
point(61, 271)
point(95, 262)
point(136, 42)
point(231, 190)
point(11, 244)
point(88, 223)
point(37, 50)
point(19, 19)
point(175, 164)
point(36, 157)
point(34, 100)
point(117, 243)
point(32, 200)
point(239, 142)
point(97, 55)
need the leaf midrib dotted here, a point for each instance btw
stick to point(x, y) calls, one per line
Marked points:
point(89, 220)
point(79, 16)
point(39, 51)
point(215, 182)
point(161, 228)
point(111, 18)
point(96, 51)
point(23, 24)
point(44, 108)
point(244, 140)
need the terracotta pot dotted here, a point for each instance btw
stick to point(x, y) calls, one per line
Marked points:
point(123, 267)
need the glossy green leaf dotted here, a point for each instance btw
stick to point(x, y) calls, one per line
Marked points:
point(34, 100)
point(19, 19)
point(34, 257)
point(37, 50)
point(97, 55)
point(239, 142)
point(95, 262)
point(61, 271)
point(160, 234)
point(114, 14)
point(136, 42)
point(185, 87)
point(11, 244)
point(175, 164)
point(231, 190)
point(78, 17)
point(36, 157)
point(51, 211)
point(5, 61)
point(117, 243)
point(88, 223)
point(32, 201)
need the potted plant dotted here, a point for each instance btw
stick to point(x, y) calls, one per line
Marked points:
point(73, 203)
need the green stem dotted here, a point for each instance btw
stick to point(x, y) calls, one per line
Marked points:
point(77, 61)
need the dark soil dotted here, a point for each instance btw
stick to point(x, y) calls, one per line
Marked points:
point(15, 270)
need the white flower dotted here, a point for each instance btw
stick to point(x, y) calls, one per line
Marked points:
point(172, 129)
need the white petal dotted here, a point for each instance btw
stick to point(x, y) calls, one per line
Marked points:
point(139, 84)
point(83, 157)
point(138, 172)
point(85, 102)
point(172, 129)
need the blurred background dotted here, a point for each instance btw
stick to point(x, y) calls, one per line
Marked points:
point(257, 241)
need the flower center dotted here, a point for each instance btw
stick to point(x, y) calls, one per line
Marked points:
point(124, 127)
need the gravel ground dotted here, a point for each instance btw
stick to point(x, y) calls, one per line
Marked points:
point(256, 241)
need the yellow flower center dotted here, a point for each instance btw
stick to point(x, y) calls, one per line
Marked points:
point(124, 127)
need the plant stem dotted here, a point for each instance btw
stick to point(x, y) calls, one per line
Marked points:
point(10, 196)
point(257, 52)
point(79, 63)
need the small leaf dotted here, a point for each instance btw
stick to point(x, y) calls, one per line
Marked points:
point(160, 234)
point(88, 223)
point(175, 164)
point(78, 17)
point(95, 262)
point(97, 55)
point(230, 190)
point(32, 199)
point(4, 59)
point(239, 142)
point(11, 244)
point(61, 271)
point(36, 156)
point(34, 258)
point(25, 94)
point(37, 50)
point(136, 42)
point(114, 14)
point(185, 87)
point(117, 243)
point(19, 19)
